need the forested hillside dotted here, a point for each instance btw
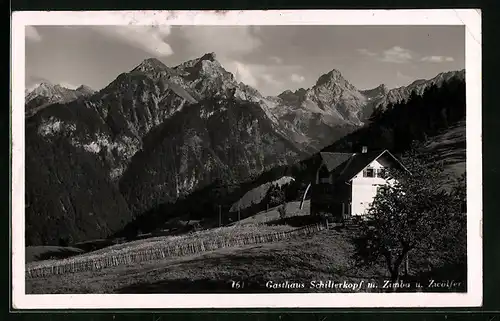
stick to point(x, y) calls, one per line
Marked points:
point(421, 117)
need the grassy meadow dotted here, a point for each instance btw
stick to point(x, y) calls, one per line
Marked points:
point(322, 256)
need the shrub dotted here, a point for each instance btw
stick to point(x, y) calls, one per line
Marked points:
point(282, 211)
point(63, 241)
point(276, 196)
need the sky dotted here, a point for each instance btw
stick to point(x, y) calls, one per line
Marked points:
point(270, 58)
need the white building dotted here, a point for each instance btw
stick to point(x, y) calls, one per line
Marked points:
point(346, 183)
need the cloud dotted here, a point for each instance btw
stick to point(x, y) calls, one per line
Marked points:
point(397, 55)
point(437, 59)
point(268, 78)
point(366, 52)
point(297, 78)
point(276, 60)
point(31, 34)
point(226, 41)
point(242, 73)
point(149, 38)
point(68, 85)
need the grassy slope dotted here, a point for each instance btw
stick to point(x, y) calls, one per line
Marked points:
point(324, 256)
point(450, 148)
point(128, 248)
point(292, 209)
point(257, 194)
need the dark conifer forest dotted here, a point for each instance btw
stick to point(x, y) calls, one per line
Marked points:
point(398, 125)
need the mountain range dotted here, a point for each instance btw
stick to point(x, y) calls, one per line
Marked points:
point(402, 94)
point(97, 160)
point(46, 93)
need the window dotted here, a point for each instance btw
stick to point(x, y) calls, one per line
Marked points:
point(324, 175)
point(368, 172)
point(346, 210)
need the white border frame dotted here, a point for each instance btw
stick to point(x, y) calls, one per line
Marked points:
point(471, 18)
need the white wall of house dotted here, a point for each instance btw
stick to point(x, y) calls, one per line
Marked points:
point(364, 189)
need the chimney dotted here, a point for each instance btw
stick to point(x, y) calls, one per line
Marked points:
point(364, 149)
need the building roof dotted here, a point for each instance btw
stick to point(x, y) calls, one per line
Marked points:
point(344, 166)
point(333, 160)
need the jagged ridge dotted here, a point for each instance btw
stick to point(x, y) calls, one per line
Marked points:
point(221, 129)
point(46, 93)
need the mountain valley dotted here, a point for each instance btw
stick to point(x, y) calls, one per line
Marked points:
point(99, 160)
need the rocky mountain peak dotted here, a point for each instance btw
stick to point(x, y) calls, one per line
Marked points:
point(43, 89)
point(208, 65)
point(333, 87)
point(46, 93)
point(300, 91)
point(207, 77)
point(380, 90)
point(293, 97)
point(287, 93)
point(151, 65)
point(211, 56)
point(45, 84)
point(84, 89)
point(333, 76)
point(383, 88)
point(48, 89)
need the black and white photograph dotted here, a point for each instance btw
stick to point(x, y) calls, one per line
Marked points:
point(307, 159)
